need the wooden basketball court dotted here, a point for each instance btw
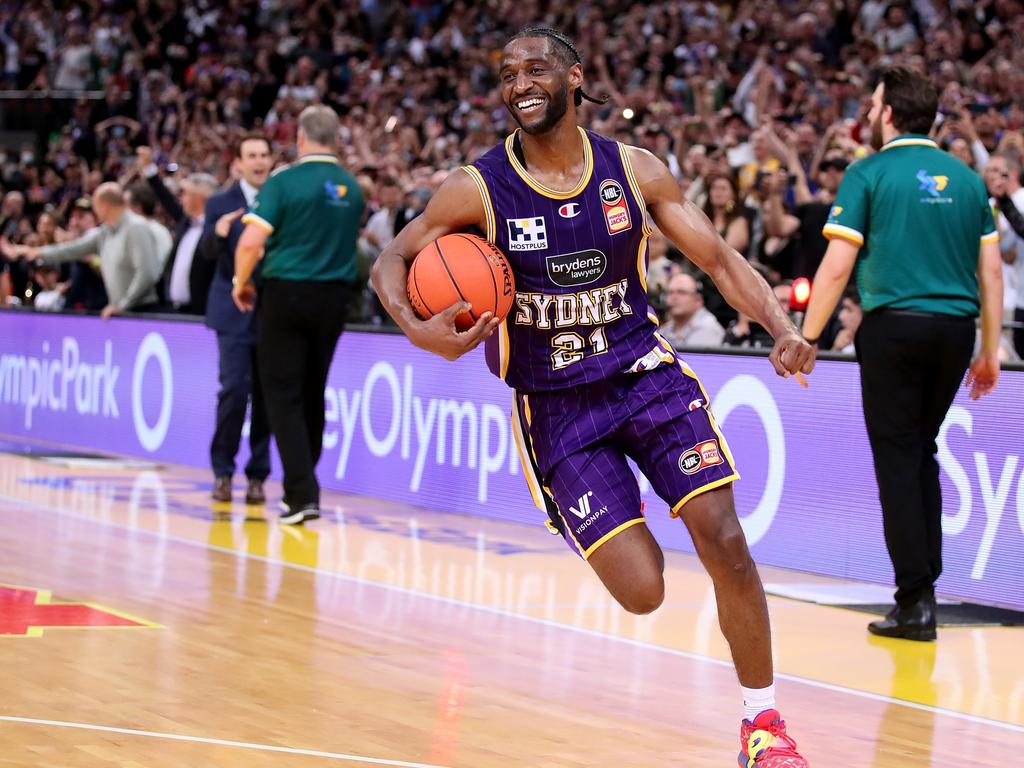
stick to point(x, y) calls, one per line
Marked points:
point(397, 636)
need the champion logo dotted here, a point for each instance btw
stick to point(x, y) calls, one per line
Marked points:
point(584, 505)
point(569, 210)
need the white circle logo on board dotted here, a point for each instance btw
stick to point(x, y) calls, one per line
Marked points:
point(750, 391)
point(152, 346)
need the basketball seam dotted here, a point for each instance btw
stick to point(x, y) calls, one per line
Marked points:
point(489, 270)
point(454, 284)
point(416, 285)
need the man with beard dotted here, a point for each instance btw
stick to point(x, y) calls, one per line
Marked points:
point(918, 225)
point(594, 382)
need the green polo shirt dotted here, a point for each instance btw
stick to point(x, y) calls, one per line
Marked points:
point(312, 210)
point(919, 216)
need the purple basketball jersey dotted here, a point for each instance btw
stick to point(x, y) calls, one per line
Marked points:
point(580, 262)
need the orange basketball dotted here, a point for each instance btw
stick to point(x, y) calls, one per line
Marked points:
point(461, 267)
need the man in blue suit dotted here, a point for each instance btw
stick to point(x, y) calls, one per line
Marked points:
point(236, 332)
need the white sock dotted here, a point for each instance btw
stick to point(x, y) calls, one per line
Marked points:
point(757, 700)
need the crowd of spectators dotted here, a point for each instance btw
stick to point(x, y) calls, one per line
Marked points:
point(757, 108)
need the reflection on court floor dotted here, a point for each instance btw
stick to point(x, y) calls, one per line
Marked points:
point(391, 635)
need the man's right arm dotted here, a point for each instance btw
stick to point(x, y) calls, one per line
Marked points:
point(73, 250)
point(455, 207)
point(212, 247)
point(984, 371)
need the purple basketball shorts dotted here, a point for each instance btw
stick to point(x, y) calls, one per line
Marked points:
point(574, 444)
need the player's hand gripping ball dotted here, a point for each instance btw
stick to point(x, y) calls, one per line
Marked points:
point(461, 267)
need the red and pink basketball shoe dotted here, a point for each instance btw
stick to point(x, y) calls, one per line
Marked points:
point(765, 744)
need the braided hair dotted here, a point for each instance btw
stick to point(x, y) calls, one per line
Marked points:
point(565, 51)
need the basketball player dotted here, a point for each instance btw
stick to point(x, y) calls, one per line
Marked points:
point(593, 380)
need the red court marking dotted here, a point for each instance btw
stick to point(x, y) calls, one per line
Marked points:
point(27, 612)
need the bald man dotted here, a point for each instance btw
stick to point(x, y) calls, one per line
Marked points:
point(128, 251)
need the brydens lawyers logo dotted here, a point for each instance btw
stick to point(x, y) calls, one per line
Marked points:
point(580, 268)
point(569, 211)
point(701, 456)
point(527, 234)
point(613, 202)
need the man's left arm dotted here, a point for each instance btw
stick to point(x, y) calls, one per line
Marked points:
point(741, 285)
point(830, 281)
point(260, 222)
point(248, 252)
point(845, 230)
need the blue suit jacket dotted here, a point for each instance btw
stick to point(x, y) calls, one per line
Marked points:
point(221, 313)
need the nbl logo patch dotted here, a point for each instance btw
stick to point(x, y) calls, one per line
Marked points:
point(613, 203)
point(701, 456)
point(527, 234)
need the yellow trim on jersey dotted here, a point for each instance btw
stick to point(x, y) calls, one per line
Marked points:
point(641, 260)
point(536, 186)
point(532, 481)
point(666, 344)
point(628, 524)
point(504, 348)
point(653, 317)
point(528, 444)
point(910, 143)
point(572, 536)
point(721, 439)
point(849, 234)
point(318, 157)
point(485, 198)
point(633, 185)
point(703, 489)
point(991, 237)
point(688, 371)
point(252, 218)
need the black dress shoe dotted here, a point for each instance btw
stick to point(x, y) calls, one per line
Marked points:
point(915, 622)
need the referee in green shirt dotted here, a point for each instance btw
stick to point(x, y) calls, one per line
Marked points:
point(304, 222)
point(917, 224)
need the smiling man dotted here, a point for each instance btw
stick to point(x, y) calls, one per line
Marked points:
point(594, 381)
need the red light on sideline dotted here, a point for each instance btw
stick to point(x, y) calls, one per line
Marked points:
point(800, 294)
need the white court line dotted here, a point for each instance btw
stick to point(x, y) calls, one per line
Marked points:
point(532, 619)
point(218, 742)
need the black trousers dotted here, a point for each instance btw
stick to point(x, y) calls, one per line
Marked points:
point(911, 365)
point(299, 326)
point(239, 382)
